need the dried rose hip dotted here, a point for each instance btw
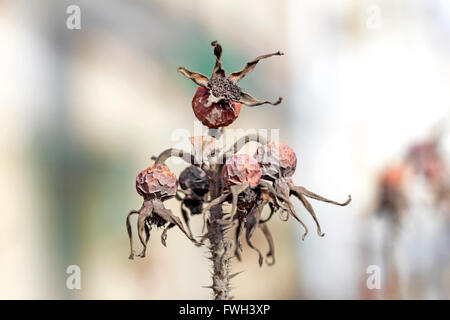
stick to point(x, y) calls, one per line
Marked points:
point(156, 181)
point(277, 159)
point(195, 179)
point(196, 184)
point(241, 169)
point(217, 102)
point(214, 115)
point(155, 184)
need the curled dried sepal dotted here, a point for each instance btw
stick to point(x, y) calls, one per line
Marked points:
point(152, 213)
point(198, 78)
point(301, 192)
point(250, 101)
point(222, 95)
point(270, 255)
point(235, 77)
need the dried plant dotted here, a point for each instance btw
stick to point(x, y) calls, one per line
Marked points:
point(216, 177)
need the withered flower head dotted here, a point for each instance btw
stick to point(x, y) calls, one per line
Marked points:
point(217, 102)
point(195, 183)
point(155, 184)
point(277, 159)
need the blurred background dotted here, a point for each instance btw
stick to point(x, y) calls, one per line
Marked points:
point(366, 87)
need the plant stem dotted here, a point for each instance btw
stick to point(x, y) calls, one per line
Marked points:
point(219, 246)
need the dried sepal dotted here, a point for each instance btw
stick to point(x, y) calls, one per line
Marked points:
point(145, 212)
point(250, 101)
point(218, 70)
point(130, 232)
point(235, 77)
point(301, 192)
point(270, 255)
point(198, 78)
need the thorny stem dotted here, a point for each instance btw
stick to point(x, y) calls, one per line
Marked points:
point(219, 246)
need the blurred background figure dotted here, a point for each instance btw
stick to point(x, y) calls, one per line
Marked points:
point(83, 110)
point(412, 210)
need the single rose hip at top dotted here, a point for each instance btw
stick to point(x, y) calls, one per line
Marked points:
point(214, 115)
point(218, 100)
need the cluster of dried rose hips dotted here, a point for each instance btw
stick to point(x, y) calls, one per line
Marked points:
point(248, 182)
point(264, 179)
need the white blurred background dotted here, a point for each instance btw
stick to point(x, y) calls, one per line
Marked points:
point(84, 110)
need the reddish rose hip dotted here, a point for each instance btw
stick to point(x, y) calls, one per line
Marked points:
point(156, 181)
point(277, 159)
point(214, 114)
point(241, 169)
point(219, 99)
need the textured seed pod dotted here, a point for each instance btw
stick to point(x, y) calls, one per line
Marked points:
point(214, 114)
point(277, 160)
point(241, 169)
point(195, 179)
point(156, 181)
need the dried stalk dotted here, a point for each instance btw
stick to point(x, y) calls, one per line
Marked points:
point(219, 246)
